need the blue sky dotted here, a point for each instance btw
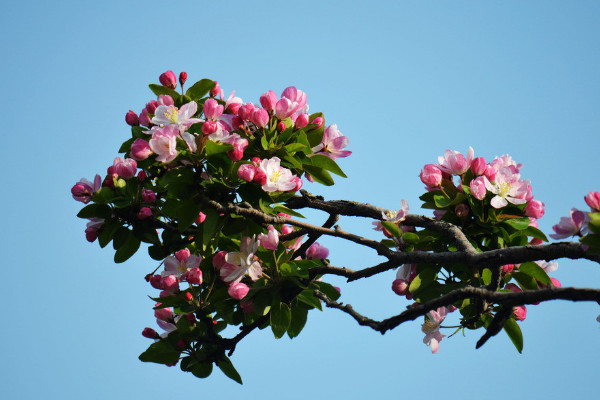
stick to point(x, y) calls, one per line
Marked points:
point(404, 80)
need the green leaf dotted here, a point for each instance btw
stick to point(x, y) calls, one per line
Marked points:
point(131, 245)
point(327, 289)
point(107, 231)
point(212, 148)
point(187, 212)
point(327, 163)
point(200, 89)
point(161, 352)
point(535, 271)
point(283, 209)
point(294, 147)
point(209, 226)
point(423, 279)
point(160, 89)
point(292, 269)
point(319, 174)
point(299, 317)
point(513, 331)
point(486, 275)
point(594, 224)
point(410, 237)
point(518, 223)
point(202, 370)
point(95, 211)
point(441, 201)
point(280, 318)
point(307, 297)
point(228, 369)
point(392, 228)
point(264, 142)
point(535, 232)
point(525, 281)
point(593, 241)
point(126, 146)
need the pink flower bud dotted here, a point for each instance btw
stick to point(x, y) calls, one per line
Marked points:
point(317, 251)
point(268, 100)
point(168, 79)
point(431, 175)
point(477, 187)
point(148, 196)
point(216, 90)
point(150, 333)
point(461, 211)
point(298, 182)
point(520, 313)
point(126, 169)
point(152, 106)
point(400, 287)
point(286, 229)
point(201, 218)
point(165, 100)
point(508, 268)
point(246, 172)
point(212, 109)
point(260, 176)
point(170, 283)
point(209, 127)
point(512, 287)
point(144, 213)
point(140, 149)
point(141, 176)
point(91, 234)
point(556, 282)
point(194, 276)
point(593, 200)
point(144, 119)
point(182, 255)
point(219, 259)
point(478, 166)
point(182, 78)
point(238, 290)
point(156, 282)
point(132, 118)
point(318, 121)
point(302, 121)
point(189, 297)
point(245, 111)
point(260, 117)
point(164, 314)
point(534, 209)
point(281, 127)
point(269, 241)
point(238, 150)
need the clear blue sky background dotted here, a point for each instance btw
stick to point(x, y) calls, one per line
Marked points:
point(403, 80)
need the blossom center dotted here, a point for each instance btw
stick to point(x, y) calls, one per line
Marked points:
point(172, 114)
point(429, 326)
point(275, 175)
point(504, 189)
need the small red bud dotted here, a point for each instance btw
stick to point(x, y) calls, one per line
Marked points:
point(281, 127)
point(182, 77)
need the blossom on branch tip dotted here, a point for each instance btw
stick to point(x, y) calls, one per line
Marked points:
point(278, 178)
point(164, 143)
point(431, 328)
point(574, 224)
point(507, 187)
point(454, 163)
point(317, 251)
point(84, 190)
point(168, 79)
point(269, 241)
point(593, 200)
point(332, 144)
point(182, 118)
point(238, 290)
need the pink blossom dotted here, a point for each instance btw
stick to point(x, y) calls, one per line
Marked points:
point(170, 283)
point(181, 118)
point(201, 218)
point(148, 196)
point(140, 149)
point(318, 122)
point(144, 118)
point(574, 224)
point(92, 228)
point(269, 241)
point(165, 314)
point(534, 209)
point(243, 261)
point(216, 90)
point(246, 172)
point(593, 200)
point(233, 103)
point(178, 266)
point(284, 108)
point(393, 216)
point(260, 117)
point(164, 143)
point(212, 110)
point(194, 276)
point(84, 190)
point(132, 118)
point(268, 101)
point(168, 79)
point(431, 328)
point(461, 210)
point(454, 163)
point(286, 229)
point(297, 97)
point(508, 268)
point(507, 187)
point(400, 287)
point(477, 187)
point(301, 121)
point(165, 100)
point(239, 145)
point(298, 182)
point(278, 178)
point(407, 272)
point(125, 168)
point(245, 111)
point(478, 166)
point(219, 259)
point(431, 175)
point(238, 290)
point(316, 251)
point(332, 143)
point(150, 333)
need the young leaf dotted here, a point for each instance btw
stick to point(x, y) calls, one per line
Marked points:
point(513, 330)
point(392, 228)
point(200, 89)
point(280, 318)
point(535, 271)
point(328, 164)
point(229, 370)
point(319, 174)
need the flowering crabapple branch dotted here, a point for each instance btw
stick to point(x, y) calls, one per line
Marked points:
point(210, 185)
